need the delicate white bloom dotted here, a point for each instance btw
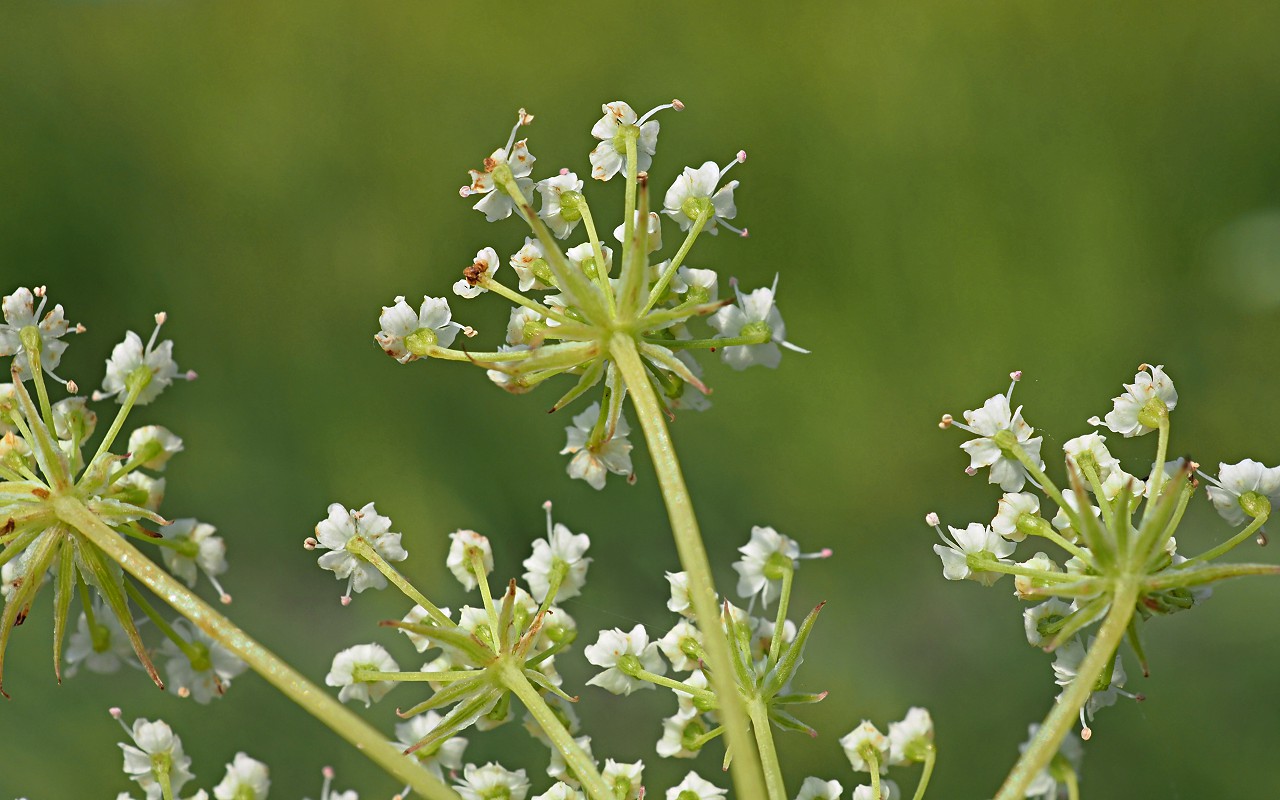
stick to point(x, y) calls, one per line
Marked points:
point(909, 738)
point(1010, 509)
point(525, 263)
point(763, 632)
point(558, 768)
point(72, 418)
point(986, 422)
point(755, 314)
point(673, 643)
point(492, 781)
point(976, 540)
point(342, 527)
point(137, 489)
point(862, 742)
point(674, 730)
point(553, 209)
point(497, 204)
point(764, 559)
point(246, 779)
point(1066, 666)
point(679, 602)
point(366, 656)
point(655, 231)
point(1091, 448)
point(14, 450)
point(399, 321)
point(418, 615)
point(524, 326)
point(704, 283)
point(20, 312)
point(818, 789)
point(207, 678)
point(1024, 584)
point(695, 193)
point(1118, 480)
point(463, 543)
point(1062, 521)
point(157, 748)
point(592, 463)
point(615, 772)
point(436, 758)
point(12, 574)
point(195, 547)
point(157, 444)
point(583, 257)
point(689, 397)
point(694, 787)
point(1237, 480)
point(472, 282)
point(614, 646)
point(132, 356)
point(610, 155)
point(105, 654)
point(1037, 619)
point(563, 551)
point(560, 791)
point(888, 791)
point(1044, 786)
point(697, 680)
point(503, 380)
point(1146, 386)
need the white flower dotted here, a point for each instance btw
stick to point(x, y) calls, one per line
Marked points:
point(1146, 386)
point(818, 789)
point(553, 208)
point(72, 418)
point(131, 356)
point(491, 782)
point(679, 602)
point(157, 749)
point(138, 489)
point(888, 791)
point(436, 758)
point(591, 462)
point(1118, 480)
point(1038, 619)
point(676, 729)
point(498, 204)
point(21, 312)
point(610, 155)
point(561, 551)
point(764, 560)
point(862, 743)
point(976, 540)
point(700, 285)
point(994, 417)
point(694, 193)
point(634, 647)
point(560, 791)
point(205, 677)
point(1091, 449)
point(155, 444)
point(1024, 584)
point(471, 284)
point(525, 326)
point(503, 379)
point(340, 529)
point(559, 768)
point(532, 274)
point(1067, 664)
point(655, 231)
point(673, 644)
point(1062, 521)
point(1236, 482)
point(754, 315)
point(694, 787)
point(103, 653)
point(615, 772)
point(433, 323)
point(194, 547)
point(246, 779)
point(459, 559)
point(1010, 509)
point(583, 257)
point(419, 615)
point(366, 656)
point(910, 738)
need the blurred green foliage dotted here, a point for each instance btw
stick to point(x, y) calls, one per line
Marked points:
point(949, 190)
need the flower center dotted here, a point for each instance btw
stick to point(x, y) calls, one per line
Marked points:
point(694, 207)
point(421, 341)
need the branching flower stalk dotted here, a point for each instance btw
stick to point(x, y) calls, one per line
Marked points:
point(1124, 568)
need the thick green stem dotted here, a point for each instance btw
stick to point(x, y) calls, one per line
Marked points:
point(768, 753)
point(575, 758)
point(284, 677)
point(747, 774)
point(1044, 746)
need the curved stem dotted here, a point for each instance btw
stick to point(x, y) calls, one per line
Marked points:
point(1229, 544)
point(1062, 718)
point(693, 557)
point(930, 758)
point(768, 754)
point(306, 694)
point(575, 758)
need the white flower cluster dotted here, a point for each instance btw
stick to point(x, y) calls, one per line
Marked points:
point(909, 741)
point(156, 761)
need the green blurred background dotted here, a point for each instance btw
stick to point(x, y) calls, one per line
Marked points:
point(949, 190)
